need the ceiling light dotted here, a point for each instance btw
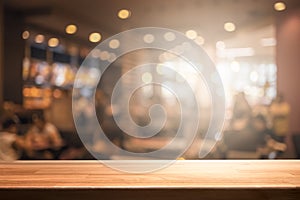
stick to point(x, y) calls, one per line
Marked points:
point(229, 26)
point(268, 42)
point(25, 35)
point(235, 52)
point(53, 42)
point(191, 34)
point(39, 38)
point(279, 6)
point(71, 29)
point(124, 14)
point(95, 37)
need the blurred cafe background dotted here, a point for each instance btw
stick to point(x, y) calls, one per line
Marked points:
point(254, 44)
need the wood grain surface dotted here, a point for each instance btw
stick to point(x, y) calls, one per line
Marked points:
point(219, 179)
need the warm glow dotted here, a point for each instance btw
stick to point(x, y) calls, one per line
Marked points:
point(39, 38)
point(95, 37)
point(124, 14)
point(104, 55)
point(25, 35)
point(96, 53)
point(57, 93)
point(279, 6)
point(220, 45)
point(229, 26)
point(191, 34)
point(268, 42)
point(199, 40)
point(114, 44)
point(235, 52)
point(159, 69)
point(169, 36)
point(53, 42)
point(71, 29)
point(26, 92)
point(73, 50)
point(148, 38)
point(235, 66)
point(147, 77)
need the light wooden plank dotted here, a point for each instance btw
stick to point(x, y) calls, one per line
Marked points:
point(182, 174)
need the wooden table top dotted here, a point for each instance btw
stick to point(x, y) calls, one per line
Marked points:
point(279, 174)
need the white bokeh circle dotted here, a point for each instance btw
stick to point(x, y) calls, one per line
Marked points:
point(173, 43)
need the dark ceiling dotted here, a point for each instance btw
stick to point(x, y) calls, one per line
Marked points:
point(205, 16)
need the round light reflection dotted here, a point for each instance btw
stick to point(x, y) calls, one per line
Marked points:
point(191, 34)
point(199, 40)
point(114, 44)
point(279, 6)
point(53, 42)
point(71, 29)
point(25, 35)
point(148, 38)
point(39, 38)
point(95, 37)
point(147, 77)
point(229, 26)
point(220, 45)
point(124, 14)
point(169, 36)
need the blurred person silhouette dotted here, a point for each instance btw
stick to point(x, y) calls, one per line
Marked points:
point(267, 147)
point(279, 112)
point(11, 144)
point(260, 130)
point(248, 139)
point(42, 141)
point(241, 113)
